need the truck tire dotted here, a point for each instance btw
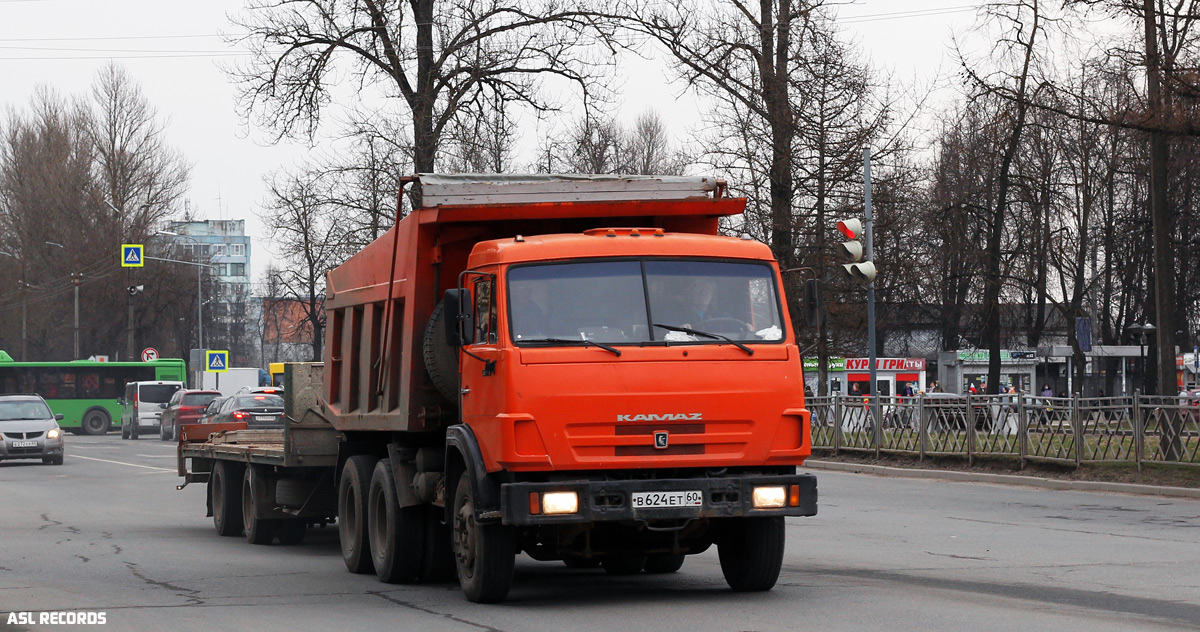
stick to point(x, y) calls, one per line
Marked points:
point(352, 513)
point(751, 553)
point(484, 553)
point(624, 564)
point(124, 430)
point(663, 563)
point(133, 430)
point(397, 534)
point(441, 360)
point(226, 489)
point(292, 532)
point(437, 565)
point(96, 422)
point(258, 530)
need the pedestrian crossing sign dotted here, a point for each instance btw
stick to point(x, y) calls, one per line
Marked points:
point(131, 256)
point(216, 361)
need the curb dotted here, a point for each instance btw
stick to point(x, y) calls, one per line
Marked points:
point(1005, 479)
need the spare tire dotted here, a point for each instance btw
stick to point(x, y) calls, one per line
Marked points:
point(441, 360)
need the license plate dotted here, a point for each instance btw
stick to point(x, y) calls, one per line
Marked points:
point(264, 418)
point(24, 444)
point(652, 500)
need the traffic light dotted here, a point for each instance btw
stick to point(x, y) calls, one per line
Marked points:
point(857, 270)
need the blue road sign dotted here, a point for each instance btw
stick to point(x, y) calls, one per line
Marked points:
point(131, 256)
point(216, 361)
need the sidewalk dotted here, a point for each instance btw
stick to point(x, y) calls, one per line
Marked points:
point(1004, 479)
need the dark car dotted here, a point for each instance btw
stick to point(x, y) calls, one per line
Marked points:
point(257, 410)
point(29, 430)
point(185, 407)
point(211, 410)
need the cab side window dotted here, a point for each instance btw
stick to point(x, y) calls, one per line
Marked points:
point(485, 312)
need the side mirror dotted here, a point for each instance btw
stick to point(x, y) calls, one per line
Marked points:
point(120, 401)
point(456, 312)
point(814, 310)
point(58, 418)
point(164, 405)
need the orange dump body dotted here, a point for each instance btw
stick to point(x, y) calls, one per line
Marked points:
point(558, 408)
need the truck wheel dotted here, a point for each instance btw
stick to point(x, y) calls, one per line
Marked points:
point(124, 430)
point(352, 513)
point(441, 360)
point(258, 530)
point(751, 553)
point(227, 498)
point(664, 563)
point(483, 552)
point(624, 564)
point(96, 422)
point(292, 532)
point(397, 533)
point(133, 430)
point(437, 565)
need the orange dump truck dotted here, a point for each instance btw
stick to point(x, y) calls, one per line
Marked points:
point(577, 368)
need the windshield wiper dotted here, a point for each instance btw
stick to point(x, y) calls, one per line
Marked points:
point(696, 332)
point(571, 341)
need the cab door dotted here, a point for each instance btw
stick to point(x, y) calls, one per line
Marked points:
point(481, 356)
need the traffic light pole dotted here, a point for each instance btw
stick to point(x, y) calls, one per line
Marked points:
point(870, 234)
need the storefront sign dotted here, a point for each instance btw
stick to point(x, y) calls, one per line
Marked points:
point(886, 364)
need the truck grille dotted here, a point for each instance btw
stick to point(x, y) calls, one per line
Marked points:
point(592, 441)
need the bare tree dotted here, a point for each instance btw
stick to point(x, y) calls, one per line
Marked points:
point(442, 58)
point(312, 240)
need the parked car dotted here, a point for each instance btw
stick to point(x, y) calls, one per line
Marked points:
point(270, 390)
point(142, 406)
point(1192, 402)
point(30, 430)
point(185, 407)
point(261, 410)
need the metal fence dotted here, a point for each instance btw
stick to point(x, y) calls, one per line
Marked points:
point(1077, 430)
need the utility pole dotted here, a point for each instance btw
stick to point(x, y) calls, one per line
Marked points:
point(870, 244)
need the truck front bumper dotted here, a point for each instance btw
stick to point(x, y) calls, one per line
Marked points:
point(610, 501)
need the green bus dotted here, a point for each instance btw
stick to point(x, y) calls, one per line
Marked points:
point(85, 393)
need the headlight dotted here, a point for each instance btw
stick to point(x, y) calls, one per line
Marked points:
point(54, 434)
point(769, 497)
point(560, 503)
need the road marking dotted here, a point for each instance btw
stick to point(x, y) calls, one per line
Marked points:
point(161, 469)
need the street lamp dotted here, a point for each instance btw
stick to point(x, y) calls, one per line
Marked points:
point(76, 280)
point(199, 291)
point(1141, 331)
point(21, 285)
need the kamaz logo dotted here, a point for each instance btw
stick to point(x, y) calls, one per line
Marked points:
point(663, 417)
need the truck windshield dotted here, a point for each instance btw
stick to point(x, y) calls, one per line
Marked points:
point(629, 301)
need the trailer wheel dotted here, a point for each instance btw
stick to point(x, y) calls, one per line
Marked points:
point(352, 514)
point(751, 553)
point(664, 563)
point(258, 530)
point(437, 565)
point(441, 360)
point(624, 564)
point(397, 533)
point(484, 552)
point(292, 532)
point(96, 422)
point(227, 498)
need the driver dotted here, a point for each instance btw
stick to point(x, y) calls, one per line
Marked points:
point(700, 301)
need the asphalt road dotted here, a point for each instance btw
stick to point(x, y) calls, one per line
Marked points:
point(108, 532)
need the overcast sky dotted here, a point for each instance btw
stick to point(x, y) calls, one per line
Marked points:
point(174, 50)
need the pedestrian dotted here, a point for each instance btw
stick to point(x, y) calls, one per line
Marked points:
point(1046, 391)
